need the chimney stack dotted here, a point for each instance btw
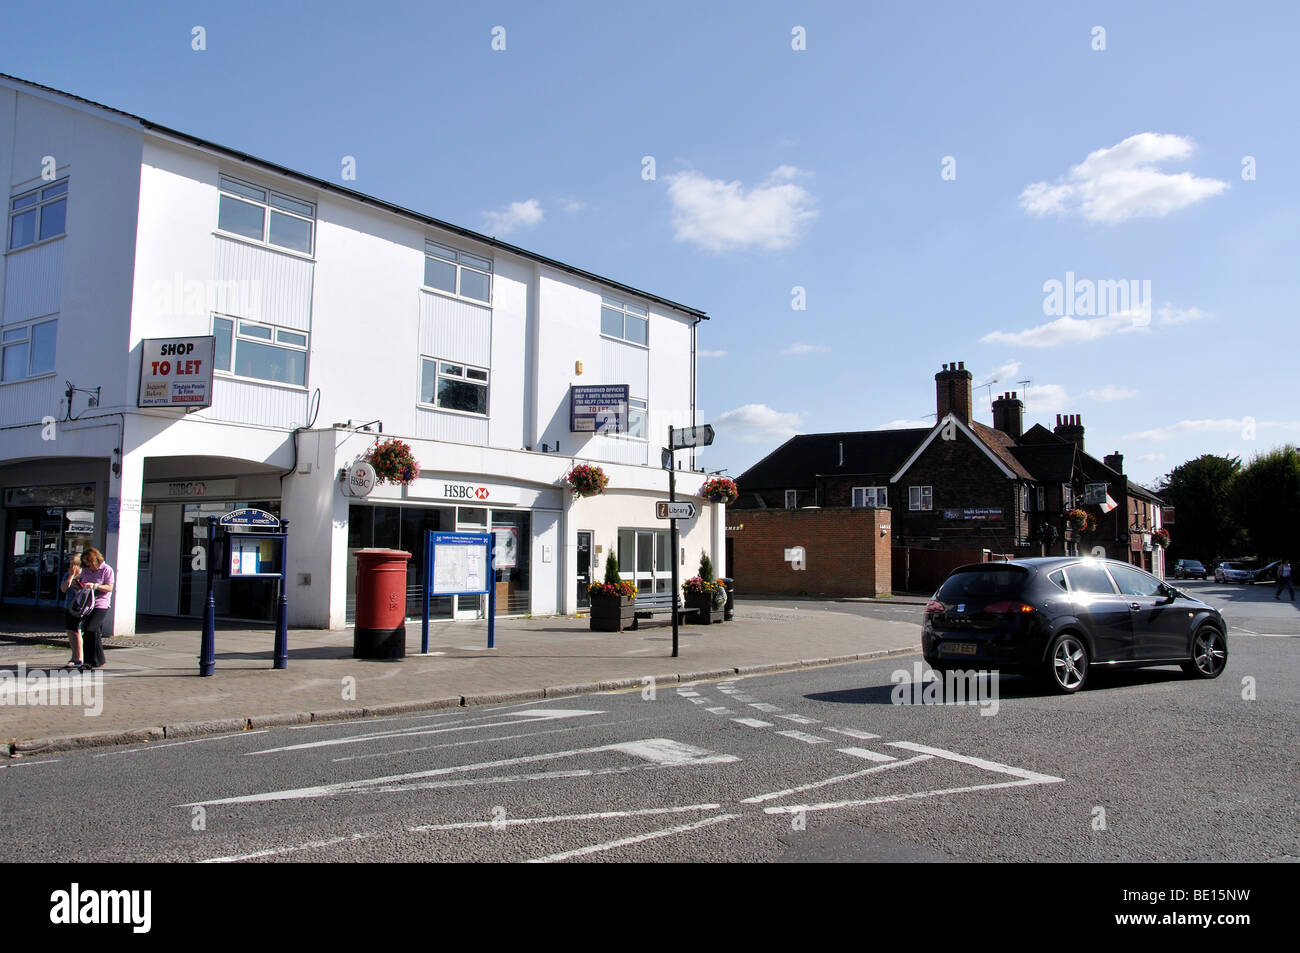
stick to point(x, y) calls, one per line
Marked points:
point(952, 387)
point(1009, 415)
point(1115, 461)
point(1069, 428)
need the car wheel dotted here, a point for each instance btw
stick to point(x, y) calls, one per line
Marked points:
point(1067, 664)
point(1209, 653)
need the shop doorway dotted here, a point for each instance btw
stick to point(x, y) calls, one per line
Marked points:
point(584, 569)
point(39, 546)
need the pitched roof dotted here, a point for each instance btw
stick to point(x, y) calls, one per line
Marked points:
point(1001, 444)
point(362, 197)
point(795, 462)
point(1049, 463)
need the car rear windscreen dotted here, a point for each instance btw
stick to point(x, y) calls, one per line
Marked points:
point(990, 583)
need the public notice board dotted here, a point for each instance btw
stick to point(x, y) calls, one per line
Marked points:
point(459, 564)
point(176, 372)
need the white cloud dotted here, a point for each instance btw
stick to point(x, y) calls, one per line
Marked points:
point(1152, 458)
point(722, 216)
point(1243, 427)
point(905, 424)
point(1122, 182)
point(1170, 316)
point(704, 352)
point(755, 423)
point(572, 206)
point(1043, 400)
point(1071, 330)
point(1001, 374)
point(1112, 392)
point(515, 216)
point(805, 349)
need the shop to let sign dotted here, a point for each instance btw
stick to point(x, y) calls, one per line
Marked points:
point(176, 372)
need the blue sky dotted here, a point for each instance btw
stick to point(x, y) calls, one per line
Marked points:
point(820, 168)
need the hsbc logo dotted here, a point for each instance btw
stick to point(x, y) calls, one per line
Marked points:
point(465, 491)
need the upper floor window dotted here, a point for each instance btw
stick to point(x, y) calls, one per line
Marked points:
point(39, 214)
point(920, 497)
point(870, 496)
point(27, 351)
point(451, 386)
point(265, 215)
point(260, 351)
point(622, 319)
point(637, 411)
point(457, 272)
point(791, 499)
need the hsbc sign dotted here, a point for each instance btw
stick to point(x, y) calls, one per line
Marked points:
point(436, 487)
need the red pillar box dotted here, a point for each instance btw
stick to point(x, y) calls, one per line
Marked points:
point(380, 631)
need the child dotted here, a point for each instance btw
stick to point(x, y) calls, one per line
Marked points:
point(72, 621)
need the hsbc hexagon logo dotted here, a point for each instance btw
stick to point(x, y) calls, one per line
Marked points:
point(465, 491)
point(481, 492)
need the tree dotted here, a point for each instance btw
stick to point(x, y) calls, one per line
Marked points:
point(611, 569)
point(1201, 492)
point(706, 567)
point(1266, 501)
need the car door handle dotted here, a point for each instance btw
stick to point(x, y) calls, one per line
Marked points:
point(1134, 605)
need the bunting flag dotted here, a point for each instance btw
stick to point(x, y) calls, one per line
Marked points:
point(1108, 505)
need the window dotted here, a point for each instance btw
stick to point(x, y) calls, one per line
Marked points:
point(621, 319)
point(1041, 493)
point(265, 215)
point(260, 351)
point(27, 351)
point(39, 214)
point(454, 386)
point(920, 497)
point(457, 272)
point(1058, 578)
point(870, 496)
point(791, 499)
point(1089, 578)
point(1069, 497)
point(1133, 582)
point(637, 411)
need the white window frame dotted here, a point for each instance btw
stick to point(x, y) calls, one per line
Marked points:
point(628, 309)
point(638, 407)
point(42, 203)
point(877, 496)
point(920, 498)
point(462, 261)
point(21, 335)
point(791, 499)
point(237, 334)
point(463, 377)
point(228, 185)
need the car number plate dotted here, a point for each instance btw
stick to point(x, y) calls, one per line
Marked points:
point(958, 648)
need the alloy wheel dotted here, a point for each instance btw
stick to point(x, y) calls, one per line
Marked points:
point(1069, 664)
point(1209, 652)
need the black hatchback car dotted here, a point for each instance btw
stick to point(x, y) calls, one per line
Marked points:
point(1057, 617)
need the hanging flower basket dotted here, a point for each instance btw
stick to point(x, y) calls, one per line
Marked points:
point(720, 490)
point(1078, 519)
point(586, 480)
point(393, 462)
point(1160, 537)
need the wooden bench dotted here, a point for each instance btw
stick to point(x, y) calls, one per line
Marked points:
point(650, 604)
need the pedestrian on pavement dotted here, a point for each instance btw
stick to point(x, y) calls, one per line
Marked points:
point(1284, 579)
point(99, 575)
point(78, 605)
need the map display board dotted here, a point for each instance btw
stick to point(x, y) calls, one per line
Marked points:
point(459, 564)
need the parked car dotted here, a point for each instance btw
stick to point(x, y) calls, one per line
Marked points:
point(1233, 572)
point(1057, 617)
point(1189, 569)
point(1269, 572)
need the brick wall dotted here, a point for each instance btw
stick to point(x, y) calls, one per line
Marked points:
point(845, 553)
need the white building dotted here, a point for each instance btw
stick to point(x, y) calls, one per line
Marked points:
point(330, 310)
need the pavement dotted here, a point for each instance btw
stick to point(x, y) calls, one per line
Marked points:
point(150, 689)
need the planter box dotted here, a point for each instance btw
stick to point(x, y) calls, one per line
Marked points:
point(704, 613)
point(612, 615)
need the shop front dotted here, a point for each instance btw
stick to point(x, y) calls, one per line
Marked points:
point(44, 528)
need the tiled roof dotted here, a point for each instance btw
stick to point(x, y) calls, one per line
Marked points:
point(1001, 444)
point(1049, 463)
point(795, 462)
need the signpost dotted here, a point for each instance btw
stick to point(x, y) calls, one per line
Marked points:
point(678, 439)
point(248, 555)
point(459, 564)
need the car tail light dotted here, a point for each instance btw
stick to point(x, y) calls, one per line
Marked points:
point(934, 605)
point(997, 608)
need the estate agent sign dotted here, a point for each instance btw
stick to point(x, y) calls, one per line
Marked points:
point(176, 372)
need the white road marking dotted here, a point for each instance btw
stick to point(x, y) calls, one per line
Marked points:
point(888, 798)
point(1269, 635)
point(627, 841)
point(699, 701)
point(720, 711)
point(534, 714)
point(764, 706)
point(800, 719)
point(742, 698)
point(561, 818)
point(192, 741)
point(854, 733)
point(26, 764)
point(759, 798)
point(868, 755)
point(752, 723)
point(685, 694)
point(986, 765)
point(310, 845)
point(483, 741)
point(805, 737)
point(661, 752)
